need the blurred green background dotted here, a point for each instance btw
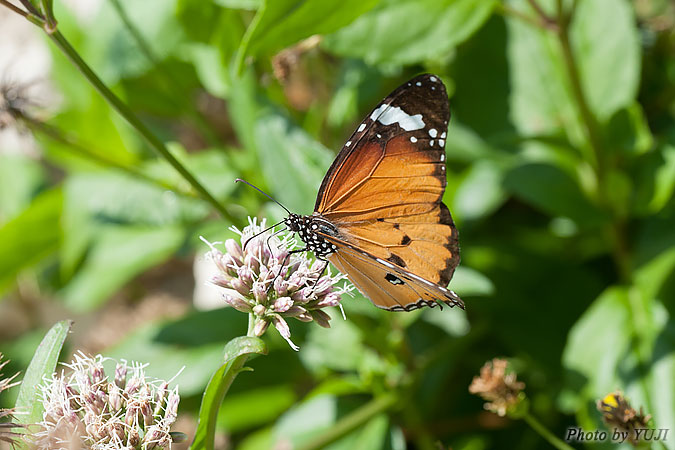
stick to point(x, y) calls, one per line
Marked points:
point(561, 172)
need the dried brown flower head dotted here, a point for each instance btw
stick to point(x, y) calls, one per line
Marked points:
point(500, 389)
point(618, 413)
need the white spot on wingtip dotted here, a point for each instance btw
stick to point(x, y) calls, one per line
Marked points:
point(418, 84)
point(434, 79)
point(442, 157)
point(348, 143)
point(443, 135)
point(388, 115)
point(361, 127)
point(433, 88)
point(433, 133)
point(441, 142)
point(431, 143)
point(413, 139)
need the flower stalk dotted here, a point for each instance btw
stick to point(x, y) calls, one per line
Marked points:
point(505, 397)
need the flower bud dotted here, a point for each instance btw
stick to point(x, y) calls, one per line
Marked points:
point(282, 304)
point(321, 318)
point(259, 310)
point(260, 327)
point(234, 250)
point(237, 303)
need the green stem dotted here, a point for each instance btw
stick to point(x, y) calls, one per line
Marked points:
point(245, 41)
point(97, 157)
point(173, 83)
point(130, 117)
point(229, 373)
point(590, 122)
point(545, 433)
point(352, 421)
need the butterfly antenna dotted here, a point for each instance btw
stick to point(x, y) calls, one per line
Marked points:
point(262, 232)
point(262, 192)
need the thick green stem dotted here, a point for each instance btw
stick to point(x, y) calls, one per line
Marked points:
point(352, 421)
point(545, 433)
point(130, 117)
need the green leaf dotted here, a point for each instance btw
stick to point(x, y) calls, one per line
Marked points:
point(552, 191)
point(540, 97)
point(468, 281)
point(20, 178)
point(235, 356)
point(119, 254)
point(111, 48)
point(30, 236)
point(240, 4)
point(280, 144)
point(41, 366)
point(624, 341)
point(255, 407)
point(281, 23)
point(244, 345)
point(480, 191)
point(387, 35)
point(664, 179)
point(173, 346)
point(628, 132)
point(606, 43)
point(605, 47)
point(307, 419)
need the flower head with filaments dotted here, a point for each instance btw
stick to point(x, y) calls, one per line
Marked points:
point(264, 278)
point(86, 409)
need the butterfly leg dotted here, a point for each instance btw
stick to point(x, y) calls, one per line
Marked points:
point(284, 262)
point(323, 269)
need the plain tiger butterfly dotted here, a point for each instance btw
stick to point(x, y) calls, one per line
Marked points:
point(378, 217)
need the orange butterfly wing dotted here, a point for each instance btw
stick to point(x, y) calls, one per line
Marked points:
point(383, 194)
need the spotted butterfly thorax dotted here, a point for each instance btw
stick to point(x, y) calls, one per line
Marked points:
point(379, 217)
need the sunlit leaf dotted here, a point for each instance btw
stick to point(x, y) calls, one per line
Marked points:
point(119, 254)
point(41, 366)
point(387, 35)
point(30, 236)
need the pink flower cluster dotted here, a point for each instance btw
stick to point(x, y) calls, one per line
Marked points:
point(266, 278)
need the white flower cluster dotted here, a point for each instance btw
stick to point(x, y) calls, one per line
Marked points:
point(85, 409)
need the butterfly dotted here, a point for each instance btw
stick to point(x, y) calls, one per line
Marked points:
point(378, 217)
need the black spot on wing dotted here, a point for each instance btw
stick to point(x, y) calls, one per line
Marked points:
point(393, 279)
point(396, 260)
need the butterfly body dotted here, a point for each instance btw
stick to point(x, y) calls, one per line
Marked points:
point(379, 217)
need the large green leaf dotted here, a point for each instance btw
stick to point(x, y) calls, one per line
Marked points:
point(41, 366)
point(409, 31)
point(30, 236)
point(119, 254)
point(553, 191)
point(606, 44)
point(281, 23)
point(605, 47)
point(625, 341)
point(20, 178)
